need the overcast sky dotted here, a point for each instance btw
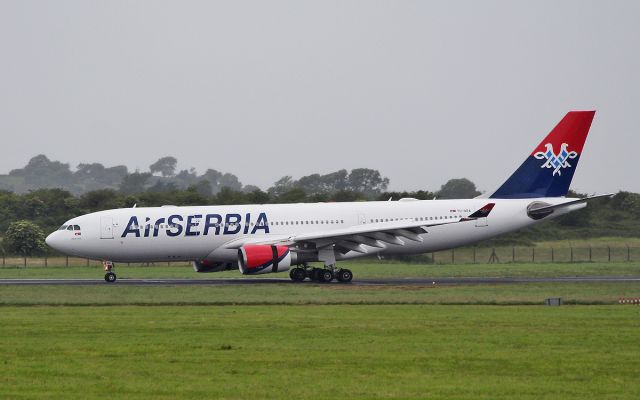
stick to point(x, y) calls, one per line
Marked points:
point(422, 91)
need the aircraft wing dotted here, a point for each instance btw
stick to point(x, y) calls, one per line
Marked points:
point(377, 235)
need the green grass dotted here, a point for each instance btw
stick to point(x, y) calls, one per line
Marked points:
point(361, 269)
point(304, 352)
point(318, 341)
point(297, 294)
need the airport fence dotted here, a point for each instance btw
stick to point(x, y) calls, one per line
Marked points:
point(482, 255)
point(465, 255)
point(62, 261)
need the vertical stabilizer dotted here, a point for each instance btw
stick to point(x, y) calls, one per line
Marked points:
point(548, 171)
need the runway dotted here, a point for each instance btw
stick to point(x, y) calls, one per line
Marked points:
point(357, 282)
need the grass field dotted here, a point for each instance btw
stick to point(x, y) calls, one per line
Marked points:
point(319, 341)
point(339, 351)
point(316, 294)
point(361, 269)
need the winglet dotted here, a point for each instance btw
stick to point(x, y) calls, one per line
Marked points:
point(481, 213)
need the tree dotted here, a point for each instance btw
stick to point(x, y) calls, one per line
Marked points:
point(166, 166)
point(213, 177)
point(250, 188)
point(134, 183)
point(293, 195)
point(367, 181)
point(281, 186)
point(87, 171)
point(103, 199)
point(347, 195)
point(323, 184)
point(310, 184)
point(257, 196)
point(228, 196)
point(24, 238)
point(186, 178)
point(41, 172)
point(219, 180)
point(335, 181)
point(420, 195)
point(230, 181)
point(203, 187)
point(95, 176)
point(458, 189)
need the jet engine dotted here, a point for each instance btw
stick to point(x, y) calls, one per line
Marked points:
point(212, 266)
point(262, 259)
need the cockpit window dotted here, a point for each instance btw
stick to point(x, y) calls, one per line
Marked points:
point(70, 228)
point(63, 227)
point(76, 227)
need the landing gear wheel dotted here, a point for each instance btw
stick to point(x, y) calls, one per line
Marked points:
point(110, 277)
point(344, 275)
point(297, 274)
point(326, 275)
point(314, 274)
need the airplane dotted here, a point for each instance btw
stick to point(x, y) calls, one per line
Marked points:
point(271, 238)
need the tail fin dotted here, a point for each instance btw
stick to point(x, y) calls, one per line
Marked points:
point(548, 171)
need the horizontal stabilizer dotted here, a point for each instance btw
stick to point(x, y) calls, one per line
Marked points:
point(538, 210)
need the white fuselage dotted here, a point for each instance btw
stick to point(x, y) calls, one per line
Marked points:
point(171, 233)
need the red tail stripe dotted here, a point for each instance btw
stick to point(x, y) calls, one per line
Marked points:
point(572, 130)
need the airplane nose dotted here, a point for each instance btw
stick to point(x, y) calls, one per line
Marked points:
point(50, 240)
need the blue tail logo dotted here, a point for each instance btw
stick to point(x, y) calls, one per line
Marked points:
point(556, 161)
point(534, 178)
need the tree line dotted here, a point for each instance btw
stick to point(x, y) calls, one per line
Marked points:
point(44, 209)
point(163, 176)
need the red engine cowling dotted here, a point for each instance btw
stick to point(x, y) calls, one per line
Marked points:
point(262, 259)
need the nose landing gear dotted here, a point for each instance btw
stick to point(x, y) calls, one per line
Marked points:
point(110, 275)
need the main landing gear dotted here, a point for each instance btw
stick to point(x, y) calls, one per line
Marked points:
point(327, 274)
point(110, 275)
